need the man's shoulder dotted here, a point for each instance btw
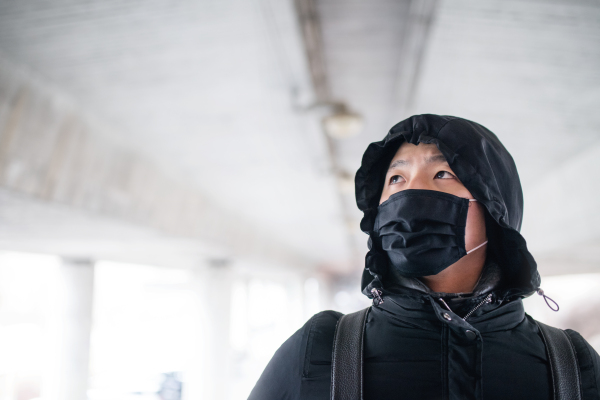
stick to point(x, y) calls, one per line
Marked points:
point(319, 331)
point(312, 343)
point(304, 357)
point(326, 317)
point(323, 322)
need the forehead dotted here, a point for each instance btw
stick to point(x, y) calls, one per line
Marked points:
point(412, 152)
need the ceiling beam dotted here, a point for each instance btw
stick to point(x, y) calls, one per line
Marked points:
point(51, 151)
point(415, 40)
point(310, 27)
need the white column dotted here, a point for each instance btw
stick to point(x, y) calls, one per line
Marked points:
point(77, 277)
point(210, 378)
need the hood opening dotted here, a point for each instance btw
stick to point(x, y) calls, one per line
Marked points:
point(486, 169)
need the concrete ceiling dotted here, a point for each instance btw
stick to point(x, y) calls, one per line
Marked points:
point(213, 92)
point(219, 96)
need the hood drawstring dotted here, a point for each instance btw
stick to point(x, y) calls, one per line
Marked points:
point(548, 300)
point(377, 300)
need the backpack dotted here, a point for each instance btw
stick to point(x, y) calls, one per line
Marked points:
point(347, 359)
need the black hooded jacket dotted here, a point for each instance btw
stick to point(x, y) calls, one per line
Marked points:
point(417, 346)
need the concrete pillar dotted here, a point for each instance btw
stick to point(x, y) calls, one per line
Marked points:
point(210, 378)
point(217, 366)
point(77, 278)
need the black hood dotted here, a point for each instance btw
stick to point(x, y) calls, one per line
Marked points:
point(486, 169)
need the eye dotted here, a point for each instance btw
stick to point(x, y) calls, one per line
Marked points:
point(396, 179)
point(444, 175)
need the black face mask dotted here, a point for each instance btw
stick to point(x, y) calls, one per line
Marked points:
point(422, 231)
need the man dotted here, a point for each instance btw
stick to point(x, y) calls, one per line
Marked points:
point(447, 270)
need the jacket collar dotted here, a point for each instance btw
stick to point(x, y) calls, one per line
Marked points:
point(412, 302)
point(490, 279)
point(427, 313)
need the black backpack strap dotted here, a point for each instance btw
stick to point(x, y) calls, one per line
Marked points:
point(347, 357)
point(566, 380)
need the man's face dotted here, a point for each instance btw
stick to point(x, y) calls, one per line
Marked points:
point(424, 167)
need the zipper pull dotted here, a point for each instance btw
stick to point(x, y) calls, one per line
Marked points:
point(377, 300)
point(548, 300)
point(445, 305)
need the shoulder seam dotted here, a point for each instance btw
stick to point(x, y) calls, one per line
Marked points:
point(309, 343)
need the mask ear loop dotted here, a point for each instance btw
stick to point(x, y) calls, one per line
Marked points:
point(482, 244)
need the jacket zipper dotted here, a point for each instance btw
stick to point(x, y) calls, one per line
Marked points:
point(488, 299)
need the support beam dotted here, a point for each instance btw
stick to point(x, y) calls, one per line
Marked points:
point(308, 17)
point(309, 23)
point(52, 151)
point(415, 39)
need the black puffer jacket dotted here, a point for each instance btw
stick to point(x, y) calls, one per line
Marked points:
point(415, 348)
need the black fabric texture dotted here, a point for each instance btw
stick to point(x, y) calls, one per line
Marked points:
point(411, 352)
point(416, 343)
point(421, 231)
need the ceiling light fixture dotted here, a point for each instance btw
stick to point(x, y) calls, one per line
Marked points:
point(342, 123)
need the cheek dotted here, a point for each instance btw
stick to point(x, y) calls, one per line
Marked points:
point(456, 188)
point(475, 233)
point(385, 195)
point(387, 191)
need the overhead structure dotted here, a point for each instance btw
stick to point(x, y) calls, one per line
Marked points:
point(232, 130)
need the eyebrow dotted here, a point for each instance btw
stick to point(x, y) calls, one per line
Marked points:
point(437, 159)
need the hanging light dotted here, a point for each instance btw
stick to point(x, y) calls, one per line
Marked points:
point(342, 123)
point(345, 183)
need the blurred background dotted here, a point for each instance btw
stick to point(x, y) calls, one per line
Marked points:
point(176, 177)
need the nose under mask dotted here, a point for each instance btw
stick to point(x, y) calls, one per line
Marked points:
point(422, 231)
